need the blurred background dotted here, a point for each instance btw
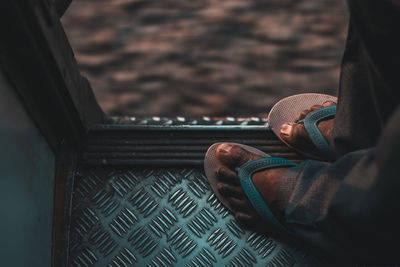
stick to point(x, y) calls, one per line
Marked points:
point(198, 58)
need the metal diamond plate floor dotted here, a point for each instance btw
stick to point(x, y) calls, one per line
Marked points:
point(162, 217)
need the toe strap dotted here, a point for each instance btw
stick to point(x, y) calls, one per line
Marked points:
point(311, 125)
point(245, 173)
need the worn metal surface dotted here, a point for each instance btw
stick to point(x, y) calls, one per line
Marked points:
point(162, 217)
point(183, 145)
point(140, 198)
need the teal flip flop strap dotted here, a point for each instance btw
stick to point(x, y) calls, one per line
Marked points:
point(245, 173)
point(311, 125)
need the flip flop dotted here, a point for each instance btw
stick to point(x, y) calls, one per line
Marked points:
point(288, 110)
point(245, 172)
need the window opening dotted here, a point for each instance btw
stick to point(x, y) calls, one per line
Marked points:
point(205, 57)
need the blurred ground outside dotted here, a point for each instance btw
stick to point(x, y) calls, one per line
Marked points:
point(205, 57)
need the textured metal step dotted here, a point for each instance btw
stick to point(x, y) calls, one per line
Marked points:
point(139, 209)
point(162, 217)
point(173, 145)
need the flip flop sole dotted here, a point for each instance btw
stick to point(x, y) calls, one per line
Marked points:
point(211, 165)
point(289, 109)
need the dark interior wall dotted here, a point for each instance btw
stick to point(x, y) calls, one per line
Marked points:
point(27, 166)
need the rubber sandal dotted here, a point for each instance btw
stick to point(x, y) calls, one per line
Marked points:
point(245, 173)
point(288, 110)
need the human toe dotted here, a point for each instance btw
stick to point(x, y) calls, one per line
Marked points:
point(230, 190)
point(328, 103)
point(293, 132)
point(232, 155)
point(247, 220)
point(303, 114)
point(225, 175)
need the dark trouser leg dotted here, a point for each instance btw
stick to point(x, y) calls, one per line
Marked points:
point(350, 207)
point(370, 81)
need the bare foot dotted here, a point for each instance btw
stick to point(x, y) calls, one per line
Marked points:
point(296, 135)
point(266, 182)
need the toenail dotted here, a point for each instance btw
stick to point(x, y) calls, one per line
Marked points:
point(286, 129)
point(224, 148)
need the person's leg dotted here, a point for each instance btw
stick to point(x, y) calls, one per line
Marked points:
point(369, 82)
point(361, 116)
point(357, 124)
point(348, 131)
point(348, 207)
